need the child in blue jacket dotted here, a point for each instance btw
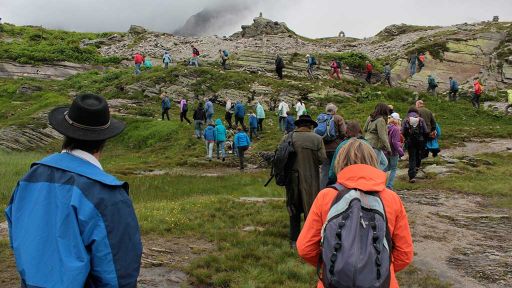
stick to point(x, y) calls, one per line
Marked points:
point(433, 143)
point(242, 144)
point(253, 126)
point(209, 137)
point(290, 122)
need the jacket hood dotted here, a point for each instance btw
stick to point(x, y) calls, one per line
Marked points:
point(363, 177)
point(218, 122)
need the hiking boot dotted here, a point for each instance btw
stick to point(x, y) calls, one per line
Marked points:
point(223, 159)
point(412, 180)
point(293, 245)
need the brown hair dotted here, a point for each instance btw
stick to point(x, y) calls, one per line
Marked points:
point(354, 129)
point(355, 152)
point(381, 110)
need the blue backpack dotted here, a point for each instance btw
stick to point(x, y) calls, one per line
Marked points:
point(226, 53)
point(326, 127)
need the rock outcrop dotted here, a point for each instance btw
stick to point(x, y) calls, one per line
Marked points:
point(262, 26)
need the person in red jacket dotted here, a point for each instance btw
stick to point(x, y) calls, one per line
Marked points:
point(335, 70)
point(138, 59)
point(356, 167)
point(475, 100)
point(369, 72)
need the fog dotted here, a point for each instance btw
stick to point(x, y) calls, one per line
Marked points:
point(318, 18)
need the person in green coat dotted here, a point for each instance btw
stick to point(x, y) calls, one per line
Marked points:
point(260, 114)
point(376, 133)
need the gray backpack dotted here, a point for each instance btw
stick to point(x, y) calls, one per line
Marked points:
point(356, 243)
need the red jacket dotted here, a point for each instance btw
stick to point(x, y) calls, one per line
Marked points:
point(138, 59)
point(478, 87)
point(366, 178)
point(369, 67)
point(422, 58)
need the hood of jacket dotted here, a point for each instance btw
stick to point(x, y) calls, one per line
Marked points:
point(218, 122)
point(362, 177)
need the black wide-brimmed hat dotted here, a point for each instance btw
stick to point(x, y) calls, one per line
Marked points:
point(88, 118)
point(305, 120)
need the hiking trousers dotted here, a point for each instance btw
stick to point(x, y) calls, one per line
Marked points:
point(240, 120)
point(369, 77)
point(137, 69)
point(260, 124)
point(241, 155)
point(220, 149)
point(165, 112)
point(452, 95)
point(253, 131)
point(279, 72)
point(282, 123)
point(198, 127)
point(392, 167)
point(414, 160)
point(183, 115)
point(229, 117)
point(475, 100)
point(209, 149)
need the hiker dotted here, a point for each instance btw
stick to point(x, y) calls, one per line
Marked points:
point(509, 92)
point(147, 63)
point(194, 61)
point(166, 105)
point(184, 110)
point(253, 126)
point(220, 139)
point(428, 116)
point(279, 66)
point(240, 114)
point(230, 110)
point(139, 60)
point(223, 58)
point(369, 72)
point(376, 133)
point(300, 108)
point(282, 109)
point(208, 109)
point(260, 114)
point(454, 89)
point(209, 138)
point(199, 118)
point(166, 59)
point(477, 92)
point(311, 65)
point(412, 64)
point(354, 131)
point(387, 74)
point(397, 152)
point(432, 85)
point(421, 61)
point(432, 144)
point(499, 69)
point(414, 129)
point(304, 177)
point(332, 129)
point(241, 143)
point(290, 122)
point(357, 172)
point(71, 224)
point(335, 69)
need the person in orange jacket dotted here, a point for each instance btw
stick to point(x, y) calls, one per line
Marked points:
point(477, 92)
point(357, 169)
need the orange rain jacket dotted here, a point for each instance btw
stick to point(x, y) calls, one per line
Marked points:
point(365, 178)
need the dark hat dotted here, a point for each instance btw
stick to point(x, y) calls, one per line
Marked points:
point(88, 118)
point(305, 120)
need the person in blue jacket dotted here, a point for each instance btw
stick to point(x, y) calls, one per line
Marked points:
point(240, 114)
point(242, 144)
point(433, 143)
point(71, 224)
point(209, 138)
point(220, 139)
point(253, 126)
point(208, 109)
point(454, 89)
point(290, 122)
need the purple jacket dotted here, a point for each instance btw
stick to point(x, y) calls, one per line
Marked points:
point(394, 140)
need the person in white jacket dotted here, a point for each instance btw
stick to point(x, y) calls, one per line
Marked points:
point(282, 109)
point(300, 108)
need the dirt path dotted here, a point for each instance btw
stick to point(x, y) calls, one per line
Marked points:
point(460, 239)
point(479, 147)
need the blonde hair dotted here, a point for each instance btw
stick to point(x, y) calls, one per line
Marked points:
point(355, 152)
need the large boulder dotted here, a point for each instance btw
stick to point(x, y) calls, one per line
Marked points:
point(136, 30)
point(262, 26)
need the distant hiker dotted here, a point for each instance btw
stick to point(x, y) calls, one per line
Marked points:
point(387, 74)
point(477, 92)
point(412, 64)
point(199, 120)
point(71, 224)
point(300, 108)
point(279, 66)
point(139, 60)
point(369, 72)
point(376, 133)
point(499, 69)
point(433, 143)
point(421, 62)
point(223, 58)
point(230, 110)
point(397, 152)
point(362, 239)
point(260, 114)
point(184, 110)
point(220, 139)
point(283, 109)
point(414, 130)
point(241, 144)
point(432, 85)
point(208, 109)
point(194, 61)
point(311, 65)
point(335, 69)
point(147, 63)
point(166, 59)
point(304, 178)
point(428, 116)
point(166, 105)
point(331, 127)
point(209, 138)
point(253, 126)
point(290, 122)
point(509, 92)
point(240, 114)
point(454, 89)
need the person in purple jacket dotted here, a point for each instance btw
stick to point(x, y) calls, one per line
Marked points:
point(184, 110)
point(397, 151)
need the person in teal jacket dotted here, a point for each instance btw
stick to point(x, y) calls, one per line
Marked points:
point(242, 144)
point(260, 114)
point(220, 139)
point(147, 63)
point(433, 143)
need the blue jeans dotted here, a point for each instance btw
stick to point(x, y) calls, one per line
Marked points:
point(220, 149)
point(166, 65)
point(209, 117)
point(412, 68)
point(137, 69)
point(198, 128)
point(194, 61)
point(209, 149)
point(392, 167)
point(381, 158)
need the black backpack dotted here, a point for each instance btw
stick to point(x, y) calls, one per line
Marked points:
point(283, 160)
point(339, 64)
point(416, 134)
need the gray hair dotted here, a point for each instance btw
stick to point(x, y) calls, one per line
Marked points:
point(331, 108)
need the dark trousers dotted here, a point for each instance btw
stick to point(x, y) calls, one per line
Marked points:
point(260, 124)
point(253, 131)
point(165, 112)
point(452, 95)
point(224, 64)
point(294, 226)
point(279, 72)
point(229, 117)
point(241, 156)
point(240, 120)
point(420, 66)
point(475, 100)
point(415, 156)
point(369, 77)
point(388, 79)
point(183, 115)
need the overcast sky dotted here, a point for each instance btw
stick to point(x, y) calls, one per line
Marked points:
point(312, 18)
